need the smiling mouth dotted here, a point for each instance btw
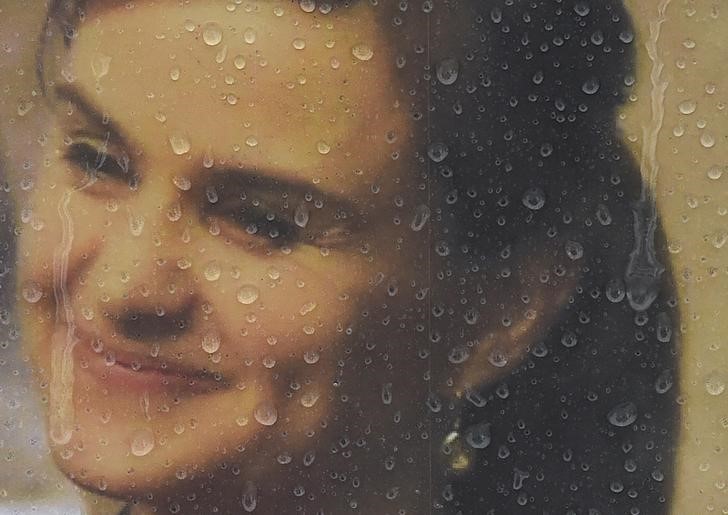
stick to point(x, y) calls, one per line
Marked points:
point(134, 373)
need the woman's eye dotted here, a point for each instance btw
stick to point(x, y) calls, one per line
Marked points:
point(95, 161)
point(279, 231)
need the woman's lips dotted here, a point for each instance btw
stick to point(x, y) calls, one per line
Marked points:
point(133, 373)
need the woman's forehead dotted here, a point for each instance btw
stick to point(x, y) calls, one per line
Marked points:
point(271, 84)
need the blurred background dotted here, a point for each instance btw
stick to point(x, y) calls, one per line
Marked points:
point(676, 123)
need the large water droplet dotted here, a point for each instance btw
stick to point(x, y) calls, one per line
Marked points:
point(180, 144)
point(248, 294)
point(212, 271)
point(31, 292)
point(715, 383)
point(623, 415)
point(478, 436)
point(266, 414)
point(447, 71)
point(249, 35)
point(687, 107)
point(142, 442)
point(211, 342)
point(422, 214)
point(212, 34)
point(362, 51)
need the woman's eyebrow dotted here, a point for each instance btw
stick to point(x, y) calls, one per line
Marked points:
point(93, 114)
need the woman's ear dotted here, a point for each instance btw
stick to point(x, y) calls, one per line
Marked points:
point(524, 307)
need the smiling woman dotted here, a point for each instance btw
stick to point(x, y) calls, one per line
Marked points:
point(347, 258)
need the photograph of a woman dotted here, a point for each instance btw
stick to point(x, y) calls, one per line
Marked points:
point(378, 257)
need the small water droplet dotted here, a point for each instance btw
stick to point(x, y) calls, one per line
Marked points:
point(239, 62)
point(299, 43)
point(174, 73)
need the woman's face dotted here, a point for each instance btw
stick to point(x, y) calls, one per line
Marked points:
point(215, 215)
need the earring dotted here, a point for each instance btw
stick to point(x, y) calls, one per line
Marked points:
point(459, 455)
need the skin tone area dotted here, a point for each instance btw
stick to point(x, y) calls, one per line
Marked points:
point(267, 129)
point(190, 338)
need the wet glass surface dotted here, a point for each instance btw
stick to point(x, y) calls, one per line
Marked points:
point(363, 257)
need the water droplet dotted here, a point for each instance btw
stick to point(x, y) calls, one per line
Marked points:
point(212, 271)
point(239, 62)
point(478, 436)
point(248, 294)
point(582, 8)
point(180, 144)
point(616, 290)
point(715, 172)
point(250, 497)
point(31, 292)
point(212, 34)
point(664, 382)
point(323, 147)
point(211, 342)
point(574, 250)
point(266, 414)
point(447, 71)
point(299, 43)
point(307, 308)
point(623, 415)
point(307, 6)
point(534, 198)
point(309, 399)
point(249, 35)
point(362, 51)
point(707, 140)
point(311, 357)
point(251, 141)
point(142, 442)
point(183, 183)
point(174, 73)
point(591, 86)
point(438, 152)
point(687, 107)
point(422, 215)
point(387, 393)
point(714, 383)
